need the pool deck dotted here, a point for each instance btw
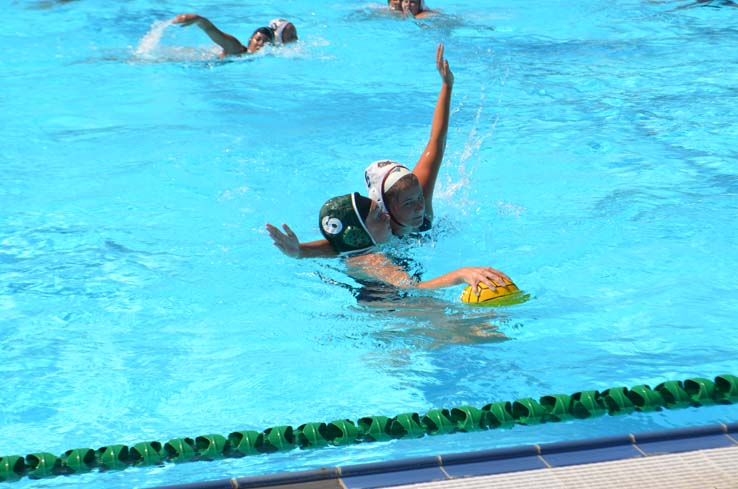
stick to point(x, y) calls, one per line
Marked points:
point(699, 457)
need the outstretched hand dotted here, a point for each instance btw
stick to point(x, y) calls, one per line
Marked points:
point(442, 65)
point(487, 275)
point(186, 19)
point(287, 242)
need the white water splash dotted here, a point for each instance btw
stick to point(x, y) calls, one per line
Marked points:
point(150, 49)
point(454, 190)
point(148, 44)
point(468, 159)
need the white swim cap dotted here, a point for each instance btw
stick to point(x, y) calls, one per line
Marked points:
point(381, 176)
point(278, 26)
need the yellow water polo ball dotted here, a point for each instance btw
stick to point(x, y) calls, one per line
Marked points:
point(502, 295)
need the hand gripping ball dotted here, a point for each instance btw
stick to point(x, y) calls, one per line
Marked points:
point(502, 295)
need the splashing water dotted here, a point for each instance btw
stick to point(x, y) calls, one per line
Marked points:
point(151, 49)
point(454, 191)
point(465, 167)
point(150, 41)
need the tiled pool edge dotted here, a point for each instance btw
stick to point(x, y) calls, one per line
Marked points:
point(490, 462)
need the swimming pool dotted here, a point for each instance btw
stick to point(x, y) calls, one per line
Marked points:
point(591, 156)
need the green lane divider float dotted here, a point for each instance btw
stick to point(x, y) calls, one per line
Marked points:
point(673, 394)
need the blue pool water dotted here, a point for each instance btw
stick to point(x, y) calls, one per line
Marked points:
point(591, 156)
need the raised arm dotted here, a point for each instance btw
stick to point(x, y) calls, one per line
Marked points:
point(288, 244)
point(229, 43)
point(429, 163)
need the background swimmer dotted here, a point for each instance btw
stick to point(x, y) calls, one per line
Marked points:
point(230, 44)
point(411, 202)
point(416, 8)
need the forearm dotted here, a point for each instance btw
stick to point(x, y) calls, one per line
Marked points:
point(317, 249)
point(445, 280)
point(439, 127)
point(469, 275)
point(230, 44)
point(430, 160)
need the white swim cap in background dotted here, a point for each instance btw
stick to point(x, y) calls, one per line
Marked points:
point(278, 26)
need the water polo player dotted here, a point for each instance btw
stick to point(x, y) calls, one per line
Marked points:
point(230, 44)
point(423, 177)
point(416, 8)
point(354, 226)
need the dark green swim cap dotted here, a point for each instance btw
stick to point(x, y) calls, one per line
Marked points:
point(342, 223)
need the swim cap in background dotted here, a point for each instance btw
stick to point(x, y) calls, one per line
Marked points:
point(380, 176)
point(279, 26)
point(342, 223)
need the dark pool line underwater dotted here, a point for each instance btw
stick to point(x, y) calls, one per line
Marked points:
point(673, 394)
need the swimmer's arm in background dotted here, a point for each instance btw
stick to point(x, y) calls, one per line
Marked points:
point(230, 44)
point(426, 169)
point(288, 244)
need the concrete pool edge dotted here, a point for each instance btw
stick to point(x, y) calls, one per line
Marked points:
point(491, 462)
